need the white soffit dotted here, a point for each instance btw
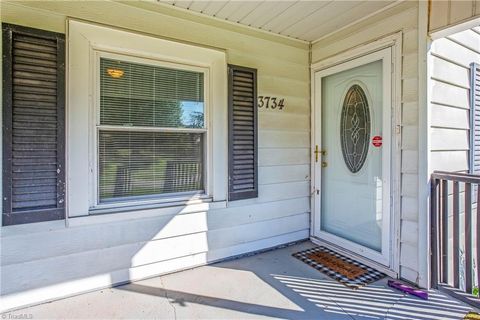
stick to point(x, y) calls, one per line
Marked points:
point(300, 19)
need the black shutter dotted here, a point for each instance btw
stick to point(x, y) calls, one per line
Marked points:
point(475, 118)
point(243, 172)
point(33, 125)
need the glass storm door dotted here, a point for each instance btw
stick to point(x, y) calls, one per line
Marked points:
point(352, 131)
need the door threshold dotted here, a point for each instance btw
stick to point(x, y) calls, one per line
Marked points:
point(375, 265)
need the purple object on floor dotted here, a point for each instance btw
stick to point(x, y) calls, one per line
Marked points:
point(422, 294)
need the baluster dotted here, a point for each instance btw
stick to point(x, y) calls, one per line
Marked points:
point(434, 233)
point(477, 229)
point(468, 238)
point(444, 232)
point(455, 235)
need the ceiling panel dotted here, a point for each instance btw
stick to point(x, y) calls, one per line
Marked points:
point(345, 18)
point(265, 12)
point(312, 18)
point(198, 6)
point(293, 15)
point(243, 10)
point(182, 4)
point(214, 7)
point(304, 20)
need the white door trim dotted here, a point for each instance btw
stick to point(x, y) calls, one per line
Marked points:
point(394, 42)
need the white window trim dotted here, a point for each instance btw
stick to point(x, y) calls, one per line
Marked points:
point(86, 43)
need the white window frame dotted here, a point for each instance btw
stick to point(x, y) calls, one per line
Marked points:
point(95, 203)
point(86, 44)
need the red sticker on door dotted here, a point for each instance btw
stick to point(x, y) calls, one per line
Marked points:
point(377, 141)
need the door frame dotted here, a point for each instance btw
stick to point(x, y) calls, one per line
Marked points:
point(394, 42)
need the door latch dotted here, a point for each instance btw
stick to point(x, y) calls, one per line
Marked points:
point(323, 153)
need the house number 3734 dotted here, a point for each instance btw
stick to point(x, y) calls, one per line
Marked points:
point(271, 102)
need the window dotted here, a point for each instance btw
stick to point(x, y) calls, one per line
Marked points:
point(151, 132)
point(159, 136)
point(33, 125)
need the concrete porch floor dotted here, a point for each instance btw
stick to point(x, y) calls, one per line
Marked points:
point(267, 285)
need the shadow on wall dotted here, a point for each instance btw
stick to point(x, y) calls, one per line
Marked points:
point(63, 261)
point(56, 262)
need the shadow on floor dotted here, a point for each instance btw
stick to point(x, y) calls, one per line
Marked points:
point(182, 299)
point(313, 295)
point(268, 285)
point(375, 301)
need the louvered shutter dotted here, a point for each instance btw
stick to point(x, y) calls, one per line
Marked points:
point(33, 125)
point(243, 172)
point(475, 118)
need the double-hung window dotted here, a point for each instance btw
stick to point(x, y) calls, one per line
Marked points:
point(150, 130)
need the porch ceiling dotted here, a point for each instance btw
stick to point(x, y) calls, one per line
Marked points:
point(300, 19)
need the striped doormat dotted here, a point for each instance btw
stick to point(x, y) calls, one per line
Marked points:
point(349, 272)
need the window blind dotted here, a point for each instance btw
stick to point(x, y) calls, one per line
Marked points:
point(33, 128)
point(243, 171)
point(149, 163)
point(141, 95)
point(151, 131)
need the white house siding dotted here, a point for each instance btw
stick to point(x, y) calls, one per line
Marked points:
point(449, 63)
point(449, 84)
point(404, 18)
point(47, 260)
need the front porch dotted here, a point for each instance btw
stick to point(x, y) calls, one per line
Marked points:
point(272, 284)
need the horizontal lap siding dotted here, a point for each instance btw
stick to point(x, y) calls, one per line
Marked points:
point(401, 18)
point(450, 108)
point(449, 61)
point(95, 255)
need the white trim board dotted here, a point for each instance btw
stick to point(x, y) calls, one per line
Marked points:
point(424, 164)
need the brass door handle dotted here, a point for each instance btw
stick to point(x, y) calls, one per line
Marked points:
point(323, 153)
point(324, 164)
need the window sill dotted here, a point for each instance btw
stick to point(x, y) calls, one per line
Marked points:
point(141, 211)
point(139, 203)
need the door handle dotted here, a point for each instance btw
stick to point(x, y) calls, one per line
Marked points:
point(324, 164)
point(323, 153)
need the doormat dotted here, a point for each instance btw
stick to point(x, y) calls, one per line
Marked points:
point(348, 272)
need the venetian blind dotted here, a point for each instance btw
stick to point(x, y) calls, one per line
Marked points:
point(34, 159)
point(243, 173)
point(151, 131)
point(135, 94)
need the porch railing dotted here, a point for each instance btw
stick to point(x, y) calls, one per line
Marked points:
point(455, 224)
